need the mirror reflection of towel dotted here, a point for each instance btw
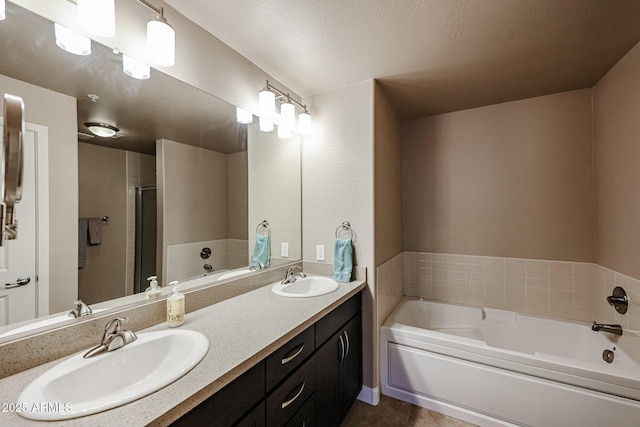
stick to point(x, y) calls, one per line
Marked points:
point(95, 231)
point(262, 251)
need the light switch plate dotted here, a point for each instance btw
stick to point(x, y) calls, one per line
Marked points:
point(284, 249)
point(319, 252)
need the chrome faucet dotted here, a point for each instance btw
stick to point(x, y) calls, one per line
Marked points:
point(292, 276)
point(81, 309)
point(114, 337)
point(614, 329)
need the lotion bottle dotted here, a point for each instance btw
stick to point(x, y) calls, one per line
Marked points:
point(153, 291)
point(175, 307)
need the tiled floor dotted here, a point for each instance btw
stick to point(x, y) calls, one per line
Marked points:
point(395, 413)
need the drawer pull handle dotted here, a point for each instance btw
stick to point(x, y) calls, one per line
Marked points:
point(293, 356)
point(290, 401)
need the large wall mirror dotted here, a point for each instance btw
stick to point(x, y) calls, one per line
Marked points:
point(180, 191)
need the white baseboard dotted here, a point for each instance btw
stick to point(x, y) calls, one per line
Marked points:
point(370, 395)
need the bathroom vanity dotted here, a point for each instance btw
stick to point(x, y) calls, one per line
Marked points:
point(271, 361)
point(311, 380)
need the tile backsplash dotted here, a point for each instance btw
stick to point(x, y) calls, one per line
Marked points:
point(561, 289)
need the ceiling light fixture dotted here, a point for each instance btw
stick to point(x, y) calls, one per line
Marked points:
point(135, 68)
point(71, 41)
point(161, 38)
point(287, 119)
point(102, 129)
point(98, 17)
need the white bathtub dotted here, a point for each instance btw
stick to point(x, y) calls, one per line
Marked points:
point(498, 368)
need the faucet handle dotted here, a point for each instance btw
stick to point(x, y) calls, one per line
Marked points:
point(115, 325)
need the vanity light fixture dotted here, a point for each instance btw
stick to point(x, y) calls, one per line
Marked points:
point(71, 41)
point(98, 17)
point(267, 103)
point(102, 129)
point(135, 68)
point(266, 125)
point(2, 10)
point(283, 132)
point(287, 119)
point(161, 38)
point(243, 116)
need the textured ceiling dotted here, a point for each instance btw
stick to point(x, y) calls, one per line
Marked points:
point(431, 56)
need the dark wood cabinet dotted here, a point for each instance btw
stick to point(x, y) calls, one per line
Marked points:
point(312, 380)
point(231, 403)
point(339, 373)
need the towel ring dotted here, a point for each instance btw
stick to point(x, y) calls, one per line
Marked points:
point(346, 226)
point(263, 224)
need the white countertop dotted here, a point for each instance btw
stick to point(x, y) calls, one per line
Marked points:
point(242, 331)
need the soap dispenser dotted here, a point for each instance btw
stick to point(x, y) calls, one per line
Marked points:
point(175, 307)
point(153, 291)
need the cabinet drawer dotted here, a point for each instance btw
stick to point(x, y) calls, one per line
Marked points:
point(330, 323)
point(255, 418)
point(289, 356)
point(289, 396)
point(229, 404)
point(305, 417)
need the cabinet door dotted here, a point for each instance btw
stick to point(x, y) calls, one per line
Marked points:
point(328, 402)
point(351, 371)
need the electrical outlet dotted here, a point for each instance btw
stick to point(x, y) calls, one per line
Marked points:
point(284, 250)
point(319, 252)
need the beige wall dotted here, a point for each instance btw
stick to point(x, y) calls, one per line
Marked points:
point(387, 207)
point(617, 173)
point(58, 113)
point(337, 185)
point(102, 192)
point(193, 196)
point(274, 190)
point(387, 179)
point(238, 195)
point(511, 180)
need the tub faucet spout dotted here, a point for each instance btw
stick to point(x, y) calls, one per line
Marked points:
point(614, 329)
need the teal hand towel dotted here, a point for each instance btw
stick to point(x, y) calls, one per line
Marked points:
point(342, 260)
point(262, 251)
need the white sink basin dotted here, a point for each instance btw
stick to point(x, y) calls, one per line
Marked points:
point(310, 286)
point(79, 387)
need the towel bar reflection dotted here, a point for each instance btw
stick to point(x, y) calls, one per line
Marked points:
point(345, 226)
point(263, 226)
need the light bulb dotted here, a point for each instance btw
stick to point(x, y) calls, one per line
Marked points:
point(135, 68)
point(71, 41)
point(266, 125)
point(161, 42)
point(243, 116)
point(288, 115)
point(267, 104)
point(304, 123)
point(283, 132)
point(98, 17)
